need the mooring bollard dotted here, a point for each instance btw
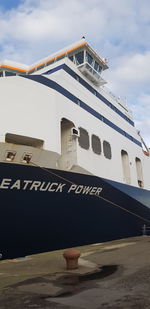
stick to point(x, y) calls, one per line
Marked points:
point(71, 256)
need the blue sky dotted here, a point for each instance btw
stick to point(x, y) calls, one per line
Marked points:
point(9, 4)
point(118, 29)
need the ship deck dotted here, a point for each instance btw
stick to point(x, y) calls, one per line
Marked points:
point(113, 274)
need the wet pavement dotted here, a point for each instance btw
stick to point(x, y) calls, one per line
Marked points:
point(112, 275)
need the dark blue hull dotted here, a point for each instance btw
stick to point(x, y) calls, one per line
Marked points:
point(40, 210)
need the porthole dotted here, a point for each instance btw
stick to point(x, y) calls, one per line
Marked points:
point(107, 150)
point(96, 144)
point(84, 139)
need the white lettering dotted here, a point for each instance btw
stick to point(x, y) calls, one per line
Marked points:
point(79, 189)
point(53, 184)
point(93, 190)
point(98, 191)
point(86, 190)
point(73, 187)
point(5, 183)
point(35, 185)
point(16, 185)
point(60, 187)
point(26, 183)
point(46, 187)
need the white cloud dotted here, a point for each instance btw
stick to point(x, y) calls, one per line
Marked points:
point(142, 112)
point(119, 30)
point(130, 77)
point(67, 20)
point(132, 72)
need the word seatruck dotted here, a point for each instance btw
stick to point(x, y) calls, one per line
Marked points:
point(30, 185)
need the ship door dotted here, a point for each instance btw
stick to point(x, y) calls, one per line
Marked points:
point(69, 136)
point(139, 172)
point(126, 167)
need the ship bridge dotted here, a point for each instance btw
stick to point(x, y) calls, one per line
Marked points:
point(80, 53)
point(89, 63)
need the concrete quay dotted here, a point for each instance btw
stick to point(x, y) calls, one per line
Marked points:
point(111, 275)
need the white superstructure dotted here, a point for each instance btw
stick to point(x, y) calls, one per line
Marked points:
point(57, 113)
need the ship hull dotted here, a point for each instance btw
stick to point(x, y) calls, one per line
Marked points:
point(46, 209)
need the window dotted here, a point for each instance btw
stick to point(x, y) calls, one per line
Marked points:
point(79, 57)
point(97, 67)
point(139, 172)
point(77, 78)
point(89, 59)
point(125, 167)
point(71, 58)
point(96, 144)
point(84, 139)
point(107, 149)
point(9, 73)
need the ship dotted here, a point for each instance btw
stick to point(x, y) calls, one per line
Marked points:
point(74, 170)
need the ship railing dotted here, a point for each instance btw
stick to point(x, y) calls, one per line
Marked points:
point(91, 73)
point(118, 100)
point(145, 230)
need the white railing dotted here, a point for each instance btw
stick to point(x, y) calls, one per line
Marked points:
point(91, 73)
point(121, 101)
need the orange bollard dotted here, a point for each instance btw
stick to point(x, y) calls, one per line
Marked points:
point(71, 256)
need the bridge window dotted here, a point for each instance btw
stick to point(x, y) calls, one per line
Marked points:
point(97, 67)
point(71, 58)
point(96, 144)
point(84, 139)
point(7, 73)
point(89, 59)
point(79, 57)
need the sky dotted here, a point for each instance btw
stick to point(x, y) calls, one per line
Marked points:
point(118, 30)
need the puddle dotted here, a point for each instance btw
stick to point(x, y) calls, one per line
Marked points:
point(102, 272)
point(64, 284)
